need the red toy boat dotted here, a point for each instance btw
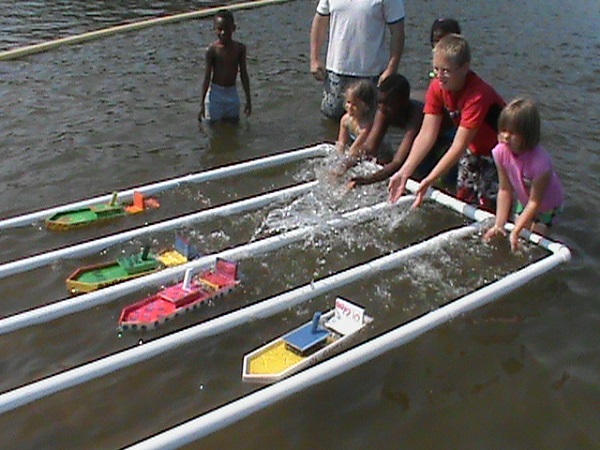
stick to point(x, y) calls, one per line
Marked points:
point(180, 298)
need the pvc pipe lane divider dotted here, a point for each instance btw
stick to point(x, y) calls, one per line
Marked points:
point(86, 301)
point(69, 378)
point(480, 216)
point(199, 177)
point(89, 247)
point(219, 418)
point(85, 37)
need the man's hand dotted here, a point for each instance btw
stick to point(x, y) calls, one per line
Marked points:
point(318, 70)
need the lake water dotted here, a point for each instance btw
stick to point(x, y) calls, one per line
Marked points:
point(92, 118)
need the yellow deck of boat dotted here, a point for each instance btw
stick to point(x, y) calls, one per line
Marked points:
point(275, 359)
point(172, 258)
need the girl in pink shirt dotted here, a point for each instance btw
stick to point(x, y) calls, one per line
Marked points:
point(525, 173)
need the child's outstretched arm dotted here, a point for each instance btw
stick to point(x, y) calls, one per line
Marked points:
point(421, 147)
point(341, 145)
point(526, 218)
point(245, 79)
point(371, 144)
point(503, 205)
point(209, 60)
point(462, 140)
point(355, 150)
point(343, 137)
point(399, 157)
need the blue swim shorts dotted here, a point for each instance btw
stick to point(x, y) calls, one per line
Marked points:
point(222, 103)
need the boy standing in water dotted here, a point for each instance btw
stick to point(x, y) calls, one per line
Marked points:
point(474, 107)
point(223, 59)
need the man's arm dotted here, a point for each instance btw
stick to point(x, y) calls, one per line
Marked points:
point(396, 49)
point(318, 33)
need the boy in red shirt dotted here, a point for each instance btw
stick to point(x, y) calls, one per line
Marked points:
point(474, 106)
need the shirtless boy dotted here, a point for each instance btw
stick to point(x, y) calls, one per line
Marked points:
point(224, 58)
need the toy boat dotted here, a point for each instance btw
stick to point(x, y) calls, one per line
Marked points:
point(306, 345)
point(90, 278)
point(182, 297)
point(67, 220)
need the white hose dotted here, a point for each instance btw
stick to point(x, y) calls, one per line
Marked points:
point(93, 35)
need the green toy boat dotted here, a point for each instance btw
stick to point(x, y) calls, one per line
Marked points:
point(90, 278)
point(67, 220)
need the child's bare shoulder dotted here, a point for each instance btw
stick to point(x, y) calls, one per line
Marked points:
point(212, 48)
point(241, 48)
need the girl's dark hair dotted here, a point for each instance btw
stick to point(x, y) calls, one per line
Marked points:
point(444, 27)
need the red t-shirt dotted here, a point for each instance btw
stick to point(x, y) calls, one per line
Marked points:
point(476, 105)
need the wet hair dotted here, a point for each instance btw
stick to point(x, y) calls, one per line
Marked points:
point(365, 91)
point(396, 85)
point(522, 117)
point(443, 27)
point(454, 47)
point(226, 15)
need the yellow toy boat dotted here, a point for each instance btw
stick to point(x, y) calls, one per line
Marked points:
point(306, 345)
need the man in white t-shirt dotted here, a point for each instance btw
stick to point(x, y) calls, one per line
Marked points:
point(356, 48)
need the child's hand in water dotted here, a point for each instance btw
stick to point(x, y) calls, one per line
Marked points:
point(493, 232)
point(349, 186)
point(514, 241)
point(338, 170)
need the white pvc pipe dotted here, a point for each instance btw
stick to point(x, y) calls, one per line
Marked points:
point(89, 247)
point(92, 35)
point(480, 215)
point(199, 177)
point(75, 304)
point(233, 412)
point(64, 380)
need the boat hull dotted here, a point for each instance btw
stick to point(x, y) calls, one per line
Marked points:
point(181, 297)
point(153, 311)
point(91, 278)
point(68, 220)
